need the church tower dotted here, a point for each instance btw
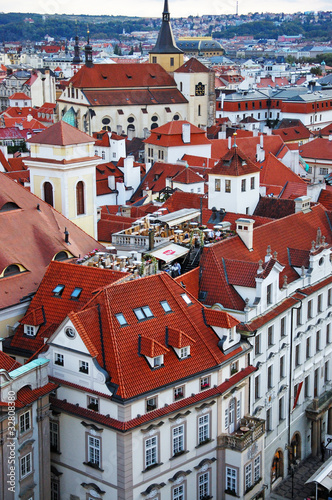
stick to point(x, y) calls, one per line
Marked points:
point(88, 53)
point(165, 52)
point(62, 169)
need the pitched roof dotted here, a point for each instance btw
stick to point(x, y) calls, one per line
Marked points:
point(7, 363)
point(187, 176)
point(325, 198)
point(279, 234)
point(234, 163)
point(107, 76)
point(275, 173)
point(121, 343)
point(43, 229)
point(180, 199)
point(271, 143)
point(320, 149)
point(61, 134)
point(48, 310)
point(297, 133)
point(165, 43)
point(170, 135)
point(275, 208)
point(19, 95)
point(193, 66)
point(134, 97)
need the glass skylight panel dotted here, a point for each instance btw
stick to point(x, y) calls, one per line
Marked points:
point(58, 289)
point(186, 298)
point(165, 305)
point(121, 319)
point(147, 311)
point(76, 293)
point(139, 313)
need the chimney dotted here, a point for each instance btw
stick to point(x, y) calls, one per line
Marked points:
point(229, 142)
point(111, 182)
point(245, 230)
point(66, 236)
point(119, 129)
point(268, 254)
point(186, 133)
point(302, 204)
point(128, 164)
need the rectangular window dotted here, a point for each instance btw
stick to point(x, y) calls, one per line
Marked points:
point(121, 319)
point(307, 348)
point(172, 61)
point(231, 480)
point(320, 303)
point(178, 492)
point(282, 367)
point(268, 419)
point(283, 327)
point(179, 393)
point(329, 297)
point(269, 294)
point(309, 309)
point(84, 367)
point(165, 305)
point(29, 330)
point(58, 359)
point(257, 469)
point(328, 334)
point(93, 403)
point(317, 340)
point(270, 341)
point(269, 377)
point(238, 409)
point(203, 428)
point(205, 383)
point(143, 313)
point(203, 485)
point(184, 352)
point(257, 387)
point(326, 372)
point(234, 367)
point(227, 185)
point(54, 436)
point(178, 439)
point(281, 409)
point(257, 344)
point(25, 422)
point(94, 451)
point(297, 355)
point(248, 476)
point(243, 185)
point(252, 183)
point(307, 387)
point(151, 449)
point(323, 171)
point(298, 316)
point(186, 298)
point(26, 465)
point(217, 184)
point(151, 403)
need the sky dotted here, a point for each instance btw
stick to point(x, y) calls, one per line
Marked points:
point(153, 8)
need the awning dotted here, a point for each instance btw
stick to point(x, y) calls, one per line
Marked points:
point(323, 475)
point(169, 252)
point(176, 218)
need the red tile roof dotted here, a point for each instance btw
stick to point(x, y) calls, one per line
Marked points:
point(138, 97)
point(170, 135)
point(19, 95)
point(325, 198)
point(214, 317)
point(320, 149)
point(190, 281)
point(151, 415)
point(121, 343)
point(106, 76)
point(297, 133)
point(279, 234)
point(235, 163)
point(187, 176)
point(48, 310)
point(7, 363)
point(193, 66)
point(61, 134)
point(180, 199)
point(271, 143)
point(275, 173)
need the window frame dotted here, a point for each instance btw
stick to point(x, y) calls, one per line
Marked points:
point(26, 463)
point(92, 450)
point(178, 440)
point(203, 429)
point(59, 359)
point(231, 478)
point(151, 452)
point(25, 421)
point(54, 436)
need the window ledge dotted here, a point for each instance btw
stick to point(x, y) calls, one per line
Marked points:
point(153, 466)
point(232, 492)
point(57, 452)
point(204, 442)
point(179, 454)
point(93, 466)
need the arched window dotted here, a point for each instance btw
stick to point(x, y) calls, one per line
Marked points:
point(61, 256)
point(48, 193)
point(294, 452)
point(80, 208)
point(131, 131)
point(11, 270)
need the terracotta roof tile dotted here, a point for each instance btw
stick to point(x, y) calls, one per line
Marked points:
point(234, 163)
point(170, 135)
point(61, 134)
point(7, 363)
point(214, 317)
point(320, 149)
point(137, 97)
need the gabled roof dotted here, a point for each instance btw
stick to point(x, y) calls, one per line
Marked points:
point(193, 66)
point(19, 96)
point(271, 143)
point(48, 310)
point(275, 208)
point(130, 372)
point(180, 199)
point(275, 173)
point(117, 76)
point(279, 234)
point(234, 163)
point(170, 135)
point(297, 133)
point(187, 176)
point(320, 149)
point(325, 198)
point(61, 134)
point(44, 237)
point(7, 363)
point(134, 97)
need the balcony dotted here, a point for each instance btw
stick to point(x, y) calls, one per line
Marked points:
point(250, 430)
point(319, 405)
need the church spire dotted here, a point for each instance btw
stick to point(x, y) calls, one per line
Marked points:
point(165, 52)
point(88, 52)
point(76, 58)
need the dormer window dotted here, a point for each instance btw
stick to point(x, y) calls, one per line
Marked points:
point(184, 352)
point(186, 298)
point(158, 361)
point(30, 330)
point(143, 313)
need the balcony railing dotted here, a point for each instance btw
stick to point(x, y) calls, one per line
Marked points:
point(241, 439)
point(135, 240)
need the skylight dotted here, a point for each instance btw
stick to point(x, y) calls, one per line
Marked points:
point(76, 293)
point(186, 298)
point(58, 290)
point(121, 319)
point(165, 305)
point(143, 313)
